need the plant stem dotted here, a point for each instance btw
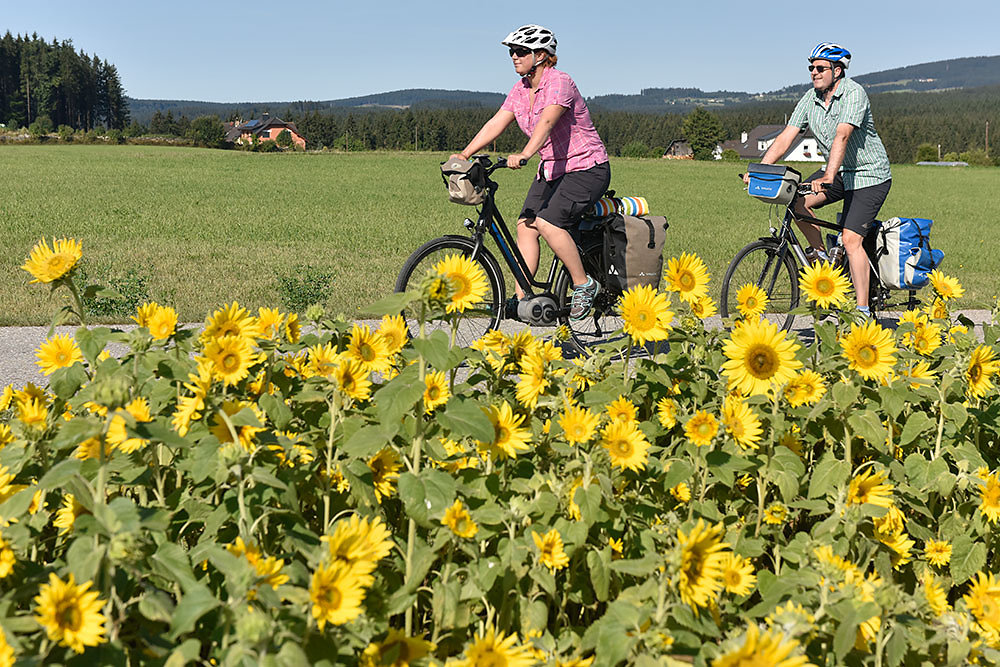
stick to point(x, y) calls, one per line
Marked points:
point(415, 452)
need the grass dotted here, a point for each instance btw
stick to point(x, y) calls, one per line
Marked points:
point(204, 227)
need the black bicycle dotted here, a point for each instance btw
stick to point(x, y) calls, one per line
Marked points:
point(772, 262)
point(546, 302)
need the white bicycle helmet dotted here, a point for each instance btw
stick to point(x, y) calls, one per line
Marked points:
point(533, 37)
point(835, 53)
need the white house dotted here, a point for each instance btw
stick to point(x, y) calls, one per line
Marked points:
point(753, 144)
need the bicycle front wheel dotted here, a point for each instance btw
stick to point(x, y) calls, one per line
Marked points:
point(759, 264)
point(604, 322)
point(475, 321)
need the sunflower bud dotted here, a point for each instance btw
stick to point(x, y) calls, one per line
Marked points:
point(315, 312)
point(253, 627)
point(112, 391)
point(436, 290)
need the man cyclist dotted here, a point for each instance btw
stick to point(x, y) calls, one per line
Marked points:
point(574, 171)
point(857, 168)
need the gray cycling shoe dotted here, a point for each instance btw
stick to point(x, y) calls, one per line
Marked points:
point(583, 299)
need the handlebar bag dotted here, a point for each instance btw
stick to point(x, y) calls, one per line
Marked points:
point(904, 254)
point(465, 180)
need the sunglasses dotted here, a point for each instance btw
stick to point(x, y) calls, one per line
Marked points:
point(520, 52)
point(819, 68)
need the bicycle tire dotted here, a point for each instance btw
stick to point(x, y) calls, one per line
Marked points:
point(604, 322)
point(475, 322)
point(758, 264)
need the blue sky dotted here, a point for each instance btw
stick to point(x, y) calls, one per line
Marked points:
point(256, 50)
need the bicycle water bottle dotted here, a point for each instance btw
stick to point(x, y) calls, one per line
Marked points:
point(838, 255)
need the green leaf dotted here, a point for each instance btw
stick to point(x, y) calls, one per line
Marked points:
point(917, 423)
point(828, 475)
point(390, 305)
point(844, 637)
point(967, 557)
point(292, 655)
point(92, 341)
point(867, 424)
point(195, 603)
point(600, 576)
point(277, 411)
point(264, 477)
point(434, 348)
point(641, 567)
point(366, 442)
point(466, 418)
point(845, 394)
point(427, 496)
point(173, 562)
point(73, 433)
point(60, 473)
point(65, 382)
point(156, 606)
point(679, 471)
point(955, 413)
point(188, 652)
point(398, 396)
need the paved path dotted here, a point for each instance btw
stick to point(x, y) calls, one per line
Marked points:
point(18, 344)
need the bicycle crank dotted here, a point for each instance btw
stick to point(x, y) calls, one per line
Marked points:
point(538, 310)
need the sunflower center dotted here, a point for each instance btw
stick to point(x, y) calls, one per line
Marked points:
point(686, 280)
point(230, 361)
point(502, 433)
point(366, 352)
point(975, 372)
point(462, 286)
point(623, 448)
point(762, 361)
point(824, 286)
point(333, 597)
point(703, 429)
point(867, 355)
point(732, 578)
point(68, 615)
point(433, 393)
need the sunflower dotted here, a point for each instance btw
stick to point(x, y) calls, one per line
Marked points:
point(925, 339)
point(58, 352)
point(71, 614)
point(7, 656)
point(938, 552)
point(937, 309)
point(571, 507)
point(703, 308)
point(751, 301)
point(468, 280)
point(67, 514)
point(869, 348)
point(532, 381)
point(983, 599)
point(161, 321)
point(495, 650)
point(117, 432)
point(460, 521)
point(626, 445)
point(268, 568)
point(982, 366)
point(550, 548)
point(946, 286)
point(385, 468)
point(760, 357)
point(918, 374)
point(508, 436)
point(681, 492)
point(701, 428)
point(368, 349)
point(622, 409)
point(775, 514)
point(232, 320)
point(741, 422)
point(231, 358)
point(352, 380)
point(870, 487)
point(824, 284)
point(394, 333)
point(702, 556)
point(359, 544)
point(934, 593)
point(398, 649)
point(646, 314)
point(737, 574)
point(900, 543)
point(687, 276)
point(806, 387)
point(990, 498)
point(772, 649)
point(666, 412)
point(33, 412)
point(336, 592)
point(323, 360)
point(436, 391)
point(578, 424)
point(49, 264)
point(91, 449)
point(293, 328)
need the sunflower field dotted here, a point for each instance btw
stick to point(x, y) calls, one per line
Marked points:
point(276, 491)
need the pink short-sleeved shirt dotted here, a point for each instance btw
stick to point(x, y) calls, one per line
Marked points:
point(573, 143)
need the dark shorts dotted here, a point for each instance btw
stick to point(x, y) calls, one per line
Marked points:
point(861, 206)
point(562, 201)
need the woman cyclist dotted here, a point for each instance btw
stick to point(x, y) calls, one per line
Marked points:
point(574, 171)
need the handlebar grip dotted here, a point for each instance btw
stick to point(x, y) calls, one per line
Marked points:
point(522, 162)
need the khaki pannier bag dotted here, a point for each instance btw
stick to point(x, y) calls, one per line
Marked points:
point(465, 180)
point(633, 250)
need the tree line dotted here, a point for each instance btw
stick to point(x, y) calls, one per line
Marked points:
point(56, 85)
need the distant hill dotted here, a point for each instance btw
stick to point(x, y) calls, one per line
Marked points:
point(934, 76)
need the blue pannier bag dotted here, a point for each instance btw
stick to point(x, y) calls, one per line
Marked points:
point(904, 254)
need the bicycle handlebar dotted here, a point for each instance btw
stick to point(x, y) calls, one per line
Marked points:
point(803, 189)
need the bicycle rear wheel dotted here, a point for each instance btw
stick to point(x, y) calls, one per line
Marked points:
point(604, 323)
point(758, 264)
point(475, 321)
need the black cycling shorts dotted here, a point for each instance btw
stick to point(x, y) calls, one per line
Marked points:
point(563, 200)
point(861, 206)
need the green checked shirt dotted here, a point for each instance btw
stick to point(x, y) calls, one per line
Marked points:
point(865, 160)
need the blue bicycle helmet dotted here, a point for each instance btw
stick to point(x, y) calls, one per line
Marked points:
point(835, 53)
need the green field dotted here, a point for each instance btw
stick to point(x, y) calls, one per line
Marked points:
point(198, 227)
